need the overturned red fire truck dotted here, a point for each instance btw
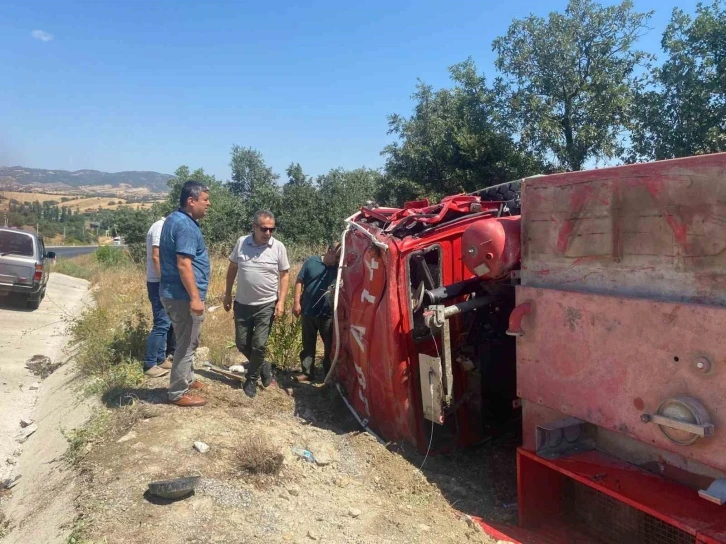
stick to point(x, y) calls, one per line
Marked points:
point(589, 308)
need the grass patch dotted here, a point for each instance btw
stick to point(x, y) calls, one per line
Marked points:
point(257, 456)
point(78, 533)
point(111, 336)
point(79, 440)
point(74, 267)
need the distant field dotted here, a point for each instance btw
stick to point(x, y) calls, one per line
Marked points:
point(83, 204)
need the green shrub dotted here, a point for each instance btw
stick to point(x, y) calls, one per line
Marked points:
point(104, 344)
point(110, 256)
point(285, 341)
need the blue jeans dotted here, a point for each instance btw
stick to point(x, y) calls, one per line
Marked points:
point(161, 339)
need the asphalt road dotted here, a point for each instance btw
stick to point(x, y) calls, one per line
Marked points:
point(26, 333)
point(71, 251)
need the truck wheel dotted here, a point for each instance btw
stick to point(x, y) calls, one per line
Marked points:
point(504, 192)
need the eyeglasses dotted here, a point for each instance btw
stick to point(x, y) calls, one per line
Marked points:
point(266, 229)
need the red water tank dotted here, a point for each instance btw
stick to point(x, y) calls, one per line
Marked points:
point(491, 247)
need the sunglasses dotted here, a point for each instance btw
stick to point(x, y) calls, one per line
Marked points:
point(266, 229)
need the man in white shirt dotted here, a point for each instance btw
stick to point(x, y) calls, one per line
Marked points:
point(259, 264)
point(160, 343)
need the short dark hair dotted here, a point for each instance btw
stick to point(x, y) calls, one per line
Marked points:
point(260, 214)
point(191, 189)
point(334, 246)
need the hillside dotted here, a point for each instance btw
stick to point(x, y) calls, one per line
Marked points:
point(19, 176)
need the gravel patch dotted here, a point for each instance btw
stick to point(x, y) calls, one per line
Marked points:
point(225, 494)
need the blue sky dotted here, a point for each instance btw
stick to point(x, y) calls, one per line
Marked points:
point(151, 85)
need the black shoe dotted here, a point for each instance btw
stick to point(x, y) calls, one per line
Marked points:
point(250, 388)
point(267, 381)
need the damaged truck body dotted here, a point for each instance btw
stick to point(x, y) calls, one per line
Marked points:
point(586, 309)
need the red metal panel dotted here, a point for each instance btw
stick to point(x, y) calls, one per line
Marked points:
point(372, 367)
point(650, 230)
point(664, 500)
point(378, 360)
point(539, 492)
point(608, 360)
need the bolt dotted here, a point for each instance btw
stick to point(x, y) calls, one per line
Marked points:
point(489, 256)
point(703, 364)
point(645, 418)
point(471, 251)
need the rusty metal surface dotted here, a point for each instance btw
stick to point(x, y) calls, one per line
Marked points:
point(609, 360)
point(650, 230)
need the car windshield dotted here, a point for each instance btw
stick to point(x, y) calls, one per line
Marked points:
point(16, 243)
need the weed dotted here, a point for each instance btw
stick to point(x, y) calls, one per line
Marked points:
point(258, 456)
point(285, 342)
point(78, 532)
point(73, 267)
point(116, 379)
point(80, 439)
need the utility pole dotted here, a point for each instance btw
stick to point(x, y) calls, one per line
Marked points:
point(64, 235)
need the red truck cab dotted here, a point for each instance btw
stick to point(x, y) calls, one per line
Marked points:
point(584, 308)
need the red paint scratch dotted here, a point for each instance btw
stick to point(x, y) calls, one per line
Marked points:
point(679, 230)
point(677, 226)
point(563, 238)
point(581, 196)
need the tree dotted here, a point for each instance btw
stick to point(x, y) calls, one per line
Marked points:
point(252, 180)
point(453, 142)
point(132, 225)
point(228, 217)
point(569, 79)
point(342, 193)
point(300, 218)
point(681, 111)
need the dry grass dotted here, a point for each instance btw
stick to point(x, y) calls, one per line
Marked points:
point(113, 333)
point(257, 455)
point(84, 204)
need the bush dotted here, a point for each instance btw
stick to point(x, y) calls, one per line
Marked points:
point(137, 253)
point(257, 455)
point(285, 341)
point(110, 256)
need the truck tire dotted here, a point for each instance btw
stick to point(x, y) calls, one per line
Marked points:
point(504, 192)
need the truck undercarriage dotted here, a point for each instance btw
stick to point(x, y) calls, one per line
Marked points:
point(580, 313)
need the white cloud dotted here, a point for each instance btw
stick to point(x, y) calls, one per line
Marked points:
point(41, 35)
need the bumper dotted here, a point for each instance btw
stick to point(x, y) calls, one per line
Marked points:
point(30, 290)
point(594, 498)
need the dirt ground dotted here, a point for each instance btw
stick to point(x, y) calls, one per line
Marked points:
point(357, 491)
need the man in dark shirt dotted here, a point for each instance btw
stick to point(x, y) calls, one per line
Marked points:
point(183, 287)
point(314, 283)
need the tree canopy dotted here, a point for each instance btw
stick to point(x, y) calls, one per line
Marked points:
point(453, 142)
point(569, 79)
point(681, 109)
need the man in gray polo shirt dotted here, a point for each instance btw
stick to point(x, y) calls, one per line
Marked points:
point(259, 264)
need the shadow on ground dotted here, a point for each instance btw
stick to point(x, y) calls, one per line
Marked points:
point(15, 303)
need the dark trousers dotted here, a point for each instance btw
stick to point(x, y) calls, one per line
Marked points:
point(311, 327)
point(252, 326)
point(161, 342)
